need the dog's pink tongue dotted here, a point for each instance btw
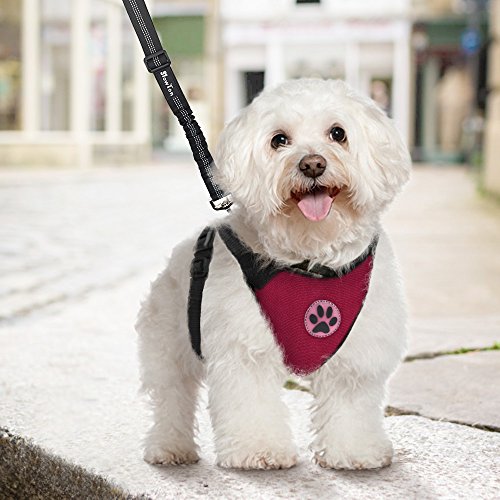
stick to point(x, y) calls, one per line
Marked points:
point(316, 205)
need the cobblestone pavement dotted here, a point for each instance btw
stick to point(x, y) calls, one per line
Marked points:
point(65, 234)
point(78, 249)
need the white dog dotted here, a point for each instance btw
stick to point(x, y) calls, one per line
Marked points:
point(311, 165)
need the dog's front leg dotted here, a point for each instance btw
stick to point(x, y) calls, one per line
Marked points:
point(348, 420)
point(249, 418)
point(170, 374)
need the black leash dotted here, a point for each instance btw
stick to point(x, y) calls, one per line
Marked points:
point(158, 63)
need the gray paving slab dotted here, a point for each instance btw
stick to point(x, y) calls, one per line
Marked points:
point(76, 396)
point(447, 239)
point(432, 460)
point(64, 233)
point(462, 388)
point(438, 335)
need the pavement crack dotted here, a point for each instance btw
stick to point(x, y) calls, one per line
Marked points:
point(463, 350)
point(392, 411)
point(293, 385)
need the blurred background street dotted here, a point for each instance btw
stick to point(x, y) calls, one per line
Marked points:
point(74, 90)
point(97, 186)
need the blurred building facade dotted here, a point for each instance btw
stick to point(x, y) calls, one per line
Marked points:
point(492, 135)
point(73, 88)
point(366, 43)
point(449, 45)
point(184, 27)
point(72, 84)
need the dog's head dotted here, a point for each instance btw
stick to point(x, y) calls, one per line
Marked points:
point(311, 153)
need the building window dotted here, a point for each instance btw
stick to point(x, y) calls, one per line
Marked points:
point(128, 85)
point(183, 37)
point(254, 84)
point(10, 64)
point(307, 1)
point(55, 64)
point(98, 47)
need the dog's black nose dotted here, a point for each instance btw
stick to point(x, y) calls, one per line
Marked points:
point(312, 165)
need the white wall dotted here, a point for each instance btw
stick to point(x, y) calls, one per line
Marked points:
point(335, 9)
point(333, 40)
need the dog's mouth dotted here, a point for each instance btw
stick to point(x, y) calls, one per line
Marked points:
point(315, 203)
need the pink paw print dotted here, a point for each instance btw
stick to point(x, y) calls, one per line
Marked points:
point(322, 318)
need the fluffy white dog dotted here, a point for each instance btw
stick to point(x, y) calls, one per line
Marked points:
point(311, 165)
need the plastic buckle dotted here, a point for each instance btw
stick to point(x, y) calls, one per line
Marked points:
point(150, 65)
point(201, 262)
point(199, 267)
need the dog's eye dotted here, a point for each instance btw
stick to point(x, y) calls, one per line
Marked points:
point(279, 140)
point(337, 134)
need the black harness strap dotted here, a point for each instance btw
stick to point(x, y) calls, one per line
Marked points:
point(158, 63)
point(256, 272)
point(199, 272)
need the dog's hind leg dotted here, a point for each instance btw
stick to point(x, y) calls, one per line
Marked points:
point(170, 372)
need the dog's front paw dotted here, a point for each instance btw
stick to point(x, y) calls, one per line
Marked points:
point(265, 459)
point(158, 455)
point(370, 455)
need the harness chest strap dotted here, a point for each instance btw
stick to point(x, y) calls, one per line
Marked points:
point(311, 311)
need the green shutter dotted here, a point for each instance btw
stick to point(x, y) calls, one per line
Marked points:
point(447, 32)
point(182, 35)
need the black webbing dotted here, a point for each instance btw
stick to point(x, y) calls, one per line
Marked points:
point(257, 272)
point(158, 63)
point(200, 266)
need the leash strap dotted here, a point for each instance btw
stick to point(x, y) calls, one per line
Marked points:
point(200, 266)
point(157, 62)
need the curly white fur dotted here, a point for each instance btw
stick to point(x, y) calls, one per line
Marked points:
point(243, 365)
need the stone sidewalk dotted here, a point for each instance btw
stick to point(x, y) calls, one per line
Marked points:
point(78, 249)
point(448, 242)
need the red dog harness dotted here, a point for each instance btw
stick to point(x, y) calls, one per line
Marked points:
point(311, 309)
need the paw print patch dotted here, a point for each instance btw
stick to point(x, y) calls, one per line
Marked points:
point(322, 318)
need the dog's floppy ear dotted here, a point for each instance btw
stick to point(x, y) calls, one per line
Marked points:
point(233, 154)
point(239, 159)
point(382, 153)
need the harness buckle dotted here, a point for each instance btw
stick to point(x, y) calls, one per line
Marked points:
point(199, 267)
point(203, 254)
point(162, 57)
